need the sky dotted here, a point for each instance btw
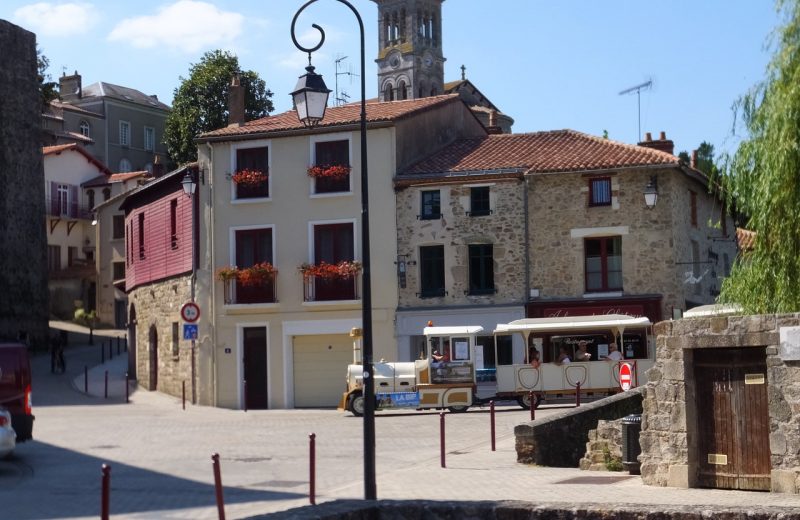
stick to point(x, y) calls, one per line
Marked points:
point(548, 64)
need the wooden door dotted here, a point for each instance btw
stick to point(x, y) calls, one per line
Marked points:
point(153, 348)
point(733, 422)
point(255, 367)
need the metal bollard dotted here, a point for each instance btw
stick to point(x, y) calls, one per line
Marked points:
point(85, 379)
point(533, 407)
point(441, 438)
point(218, 487)
point(105, 484)
point(578, 394)
point(312, 473)
point(244, 383)
point(183, 394)
point(105, 394)
point(491, 414)
point(127, 388)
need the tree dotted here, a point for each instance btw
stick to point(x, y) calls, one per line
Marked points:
point(705, 158)
point(47, 89)
point(763, 179)
point(201, 102)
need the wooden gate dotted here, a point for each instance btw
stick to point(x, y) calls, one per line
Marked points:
point(733, 421)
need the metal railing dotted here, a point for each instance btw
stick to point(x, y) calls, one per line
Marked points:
point(318, 289)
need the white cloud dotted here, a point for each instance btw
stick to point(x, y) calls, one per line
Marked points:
point(57, 19)
point(186, 25)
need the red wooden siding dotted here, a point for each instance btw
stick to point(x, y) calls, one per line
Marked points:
point(164, 256)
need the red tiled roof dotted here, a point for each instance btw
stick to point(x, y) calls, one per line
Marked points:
point(335, 116)
point(57, 149)
point(104, 180)
point(746, 239)
point(539, 152)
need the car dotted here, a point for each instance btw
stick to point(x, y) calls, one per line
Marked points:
point(8, 438)
point(15, 388)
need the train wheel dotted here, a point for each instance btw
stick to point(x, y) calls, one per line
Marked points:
point(356, 405)
point(524, 400)
point(458, 409)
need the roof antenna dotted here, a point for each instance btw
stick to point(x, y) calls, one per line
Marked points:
point(638, 89)
point(343, 97)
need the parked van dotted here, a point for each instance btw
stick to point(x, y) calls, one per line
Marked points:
point(15, 388)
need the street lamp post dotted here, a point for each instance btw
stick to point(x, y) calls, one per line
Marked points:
point(189, 186)
point(311, 96)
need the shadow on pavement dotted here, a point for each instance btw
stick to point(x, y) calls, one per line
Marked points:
point(133, 490)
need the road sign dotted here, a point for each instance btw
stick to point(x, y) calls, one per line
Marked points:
point(625, 376)
point(190, 312)
point(189, 331)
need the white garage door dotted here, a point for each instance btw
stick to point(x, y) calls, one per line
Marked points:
point(320, 365)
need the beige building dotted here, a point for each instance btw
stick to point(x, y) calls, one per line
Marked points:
point(286, 333)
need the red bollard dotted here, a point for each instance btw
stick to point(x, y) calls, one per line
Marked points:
point(218, 487)
point(183, 394)
point(85, 379)
point(105, 484)
point(491, 414)
point(106, 391)
point(312, 469)
point(533, 405)
point(578, 394)
point(441, 438)
point(127, 388)
point(244, 384)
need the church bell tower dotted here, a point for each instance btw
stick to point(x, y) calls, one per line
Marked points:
point(410, 60)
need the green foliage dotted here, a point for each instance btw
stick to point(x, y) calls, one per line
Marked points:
point(763, 179)
point(612, 463)
point(705, 158)
point(87, 319)
point(48, 90)
point(201, 102)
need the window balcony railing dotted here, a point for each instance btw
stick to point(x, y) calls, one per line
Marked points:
point(57, 208)
point(261, 291)
point(319, 289)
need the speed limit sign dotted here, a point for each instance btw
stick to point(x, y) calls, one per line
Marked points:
point(190, 312)
point(625, 376)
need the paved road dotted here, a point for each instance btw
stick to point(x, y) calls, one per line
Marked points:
point(161, 465)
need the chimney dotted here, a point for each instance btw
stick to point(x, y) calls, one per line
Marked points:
point(663, 144)
point(158, 167)
point(693, 164)
point(236, 102)
point(69, 87)
point(493, 128)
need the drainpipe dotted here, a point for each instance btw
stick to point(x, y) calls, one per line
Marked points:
point(527, 294)
point(212, 305)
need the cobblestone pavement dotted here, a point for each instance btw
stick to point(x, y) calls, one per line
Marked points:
point(160, 456)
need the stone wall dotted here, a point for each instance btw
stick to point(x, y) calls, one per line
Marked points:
point(456, 230)
point(604, 441)
point(158, 308)
point(534, 440)
point(23, 262)
point(669, 425)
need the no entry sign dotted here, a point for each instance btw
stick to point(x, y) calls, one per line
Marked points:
point(625, 376)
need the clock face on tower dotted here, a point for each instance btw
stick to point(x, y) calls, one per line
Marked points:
point(394, 60)
point(427, 61)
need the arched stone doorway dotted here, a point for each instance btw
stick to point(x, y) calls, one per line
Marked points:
point(132, 342)
point(153, 350)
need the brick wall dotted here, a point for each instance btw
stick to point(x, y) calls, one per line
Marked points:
point(23, 262)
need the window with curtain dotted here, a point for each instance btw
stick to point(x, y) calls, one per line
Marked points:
point(600, 191)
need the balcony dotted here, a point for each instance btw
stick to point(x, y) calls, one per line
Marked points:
point(324, 289)
point(237, 292)
point(57, 208)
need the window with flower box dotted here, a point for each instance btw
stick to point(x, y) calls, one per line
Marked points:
point(333, 246)
point(255, 280)
point(331, 169)
point(251, 177)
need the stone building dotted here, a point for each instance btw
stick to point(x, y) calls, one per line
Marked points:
point(23, 263)
point(548, 224)
point(722, 408)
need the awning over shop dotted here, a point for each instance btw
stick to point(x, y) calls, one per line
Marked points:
point(616, 322)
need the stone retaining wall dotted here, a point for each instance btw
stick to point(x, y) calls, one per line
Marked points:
point(535, 440)
point(604, 441)
point(515, 510)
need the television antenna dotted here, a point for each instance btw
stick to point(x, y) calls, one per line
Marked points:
point(342, 97)
point(638, 89)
